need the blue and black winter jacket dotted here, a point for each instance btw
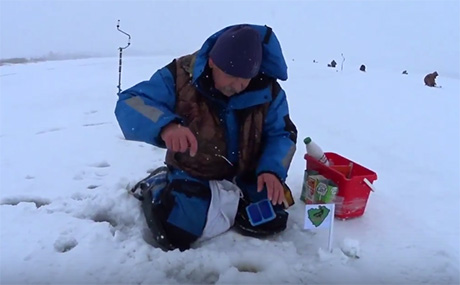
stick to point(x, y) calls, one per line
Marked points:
point(144, 109)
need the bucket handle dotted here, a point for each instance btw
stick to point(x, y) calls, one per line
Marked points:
point(368, 183)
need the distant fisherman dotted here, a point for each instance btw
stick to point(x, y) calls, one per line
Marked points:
point(430, 79)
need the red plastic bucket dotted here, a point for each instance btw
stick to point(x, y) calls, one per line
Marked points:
point(350, 177)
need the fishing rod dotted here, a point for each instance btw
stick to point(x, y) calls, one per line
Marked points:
point(121, 54)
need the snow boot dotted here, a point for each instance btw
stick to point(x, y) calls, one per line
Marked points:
point(145, 191)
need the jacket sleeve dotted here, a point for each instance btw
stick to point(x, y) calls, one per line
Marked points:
point(144, 109)
point(279, 139)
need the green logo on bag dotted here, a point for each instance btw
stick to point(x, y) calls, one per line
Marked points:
point(318, 215)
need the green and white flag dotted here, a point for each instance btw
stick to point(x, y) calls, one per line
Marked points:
point(320, 216)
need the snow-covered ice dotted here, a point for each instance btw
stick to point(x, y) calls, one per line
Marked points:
point(66, 217)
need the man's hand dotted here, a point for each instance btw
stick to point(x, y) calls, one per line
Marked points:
point(179, 139)
point(275, 191)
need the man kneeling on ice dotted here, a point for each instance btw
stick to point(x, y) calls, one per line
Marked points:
point(224, 120)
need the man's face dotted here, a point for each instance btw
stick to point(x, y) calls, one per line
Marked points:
point(227, 84)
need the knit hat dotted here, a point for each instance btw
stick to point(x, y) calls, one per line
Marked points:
point(238, 52)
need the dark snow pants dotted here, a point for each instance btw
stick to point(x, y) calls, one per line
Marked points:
point(178, 212)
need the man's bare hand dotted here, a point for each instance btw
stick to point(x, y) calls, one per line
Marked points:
point(275, 191)
point(179, 139)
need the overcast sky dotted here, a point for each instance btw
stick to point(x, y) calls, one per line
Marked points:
point(35, 28)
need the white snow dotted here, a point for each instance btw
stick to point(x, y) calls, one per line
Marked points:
point(66, 217)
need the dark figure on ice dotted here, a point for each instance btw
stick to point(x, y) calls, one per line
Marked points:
point(332, 64)
point(224, 120)
point(430, 79)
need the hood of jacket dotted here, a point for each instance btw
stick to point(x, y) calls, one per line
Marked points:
point(273, 63)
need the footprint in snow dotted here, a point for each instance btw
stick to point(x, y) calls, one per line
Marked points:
point(65, 243)
point(91, 187)
point(77, 196)
point(95, 124)
point(101, 216)
point(49, 131)
point(100, 173)
point(13, 201)
point(82, 175)
point(79, 176)
point(102, 164)
point(247, 267)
